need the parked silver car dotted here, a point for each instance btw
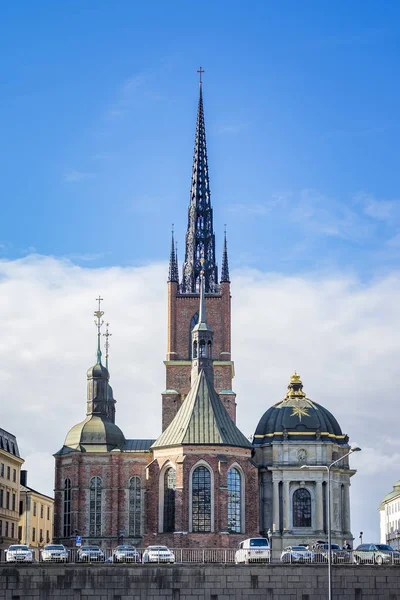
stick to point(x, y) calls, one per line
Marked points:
point(19, 553)
point(90, 554)
point(376, 554)
point(126, 553)
point(54, 553)
point(297, 554)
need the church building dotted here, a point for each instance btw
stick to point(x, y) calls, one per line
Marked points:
point(201, 483)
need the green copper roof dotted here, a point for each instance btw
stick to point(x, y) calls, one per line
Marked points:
point(94, 434)
point(202, 419)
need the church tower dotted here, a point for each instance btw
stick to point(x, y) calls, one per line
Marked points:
point(183, 295)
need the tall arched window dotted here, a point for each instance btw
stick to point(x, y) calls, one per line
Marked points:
point(234, 501)
point(301, 508)
point(95, 507)
point(135, 506)
point(169, 499)
point(201, 500)
point(67, 508)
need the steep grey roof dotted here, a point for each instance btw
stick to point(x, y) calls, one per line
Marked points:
point(202, 419)
point(138, 445)
point(8, 442)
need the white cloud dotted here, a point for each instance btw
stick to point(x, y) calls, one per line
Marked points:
point(382, 210)
point(74, 176)
point(338, 333)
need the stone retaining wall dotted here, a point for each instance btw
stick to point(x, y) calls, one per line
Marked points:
point(197, 582)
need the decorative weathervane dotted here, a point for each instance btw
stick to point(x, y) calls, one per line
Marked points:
point(99, 323)
point(107, 335)
point(201, 71)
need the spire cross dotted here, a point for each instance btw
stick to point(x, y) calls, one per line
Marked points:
point(98, 322)
point(201, 71)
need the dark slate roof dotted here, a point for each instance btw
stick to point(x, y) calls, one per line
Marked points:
point(295, 418)
point(8, 442)
point(202, 419)
point(138, 445)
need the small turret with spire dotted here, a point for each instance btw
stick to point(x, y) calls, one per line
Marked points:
point(202, 338)
point(225, 265)
point(173, 274)
point(98, 376)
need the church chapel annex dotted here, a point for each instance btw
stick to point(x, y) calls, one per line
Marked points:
point(201, 482)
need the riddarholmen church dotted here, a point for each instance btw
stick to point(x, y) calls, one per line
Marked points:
point(201, 482)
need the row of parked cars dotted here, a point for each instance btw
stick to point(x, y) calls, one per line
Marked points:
point(20, 553)
point(252, 550)
point(258, 550)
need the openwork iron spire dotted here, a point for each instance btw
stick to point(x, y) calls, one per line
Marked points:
point(99, 323)
point(225, 265)
point(200, 239)
point(173, 274)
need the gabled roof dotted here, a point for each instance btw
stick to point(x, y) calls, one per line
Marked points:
point(202, 419)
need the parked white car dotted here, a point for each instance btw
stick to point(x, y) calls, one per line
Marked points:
point(158, 554)
point(19, 553)
point(54, 553)
point(253, 550)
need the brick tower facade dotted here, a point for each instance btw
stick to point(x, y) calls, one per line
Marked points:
point(183, 295)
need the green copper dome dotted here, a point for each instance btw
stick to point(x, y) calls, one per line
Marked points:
point(94, 434)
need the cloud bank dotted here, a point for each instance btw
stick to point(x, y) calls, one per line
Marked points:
point(338, 333)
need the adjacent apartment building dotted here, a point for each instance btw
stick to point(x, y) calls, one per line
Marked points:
point(390, 517)
point(10, 468)
point(36, 510)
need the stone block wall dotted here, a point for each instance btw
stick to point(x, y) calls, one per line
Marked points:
point(197, 582)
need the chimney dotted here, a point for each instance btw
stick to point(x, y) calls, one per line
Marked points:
point(23, 478)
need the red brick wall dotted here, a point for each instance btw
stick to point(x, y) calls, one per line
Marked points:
point(116, 470)
point(211, 455)
point(181, 309)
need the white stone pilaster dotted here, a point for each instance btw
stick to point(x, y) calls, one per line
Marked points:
point(275, 505)
point(286, 506)
point(319, 502)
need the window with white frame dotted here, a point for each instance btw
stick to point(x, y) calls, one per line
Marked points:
point(201, 500)
point(67, 508)
point(169, 500)
point(135, 506)
point(95, 507)
point(234, 501)
point(301, 508)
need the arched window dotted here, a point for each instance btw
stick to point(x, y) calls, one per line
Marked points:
point(169, 499)
point(234, 501)
point(67, 508)
point(194, 320)
point(201, 500)
point(135, 506)
point(301, 508)
point(95, 507)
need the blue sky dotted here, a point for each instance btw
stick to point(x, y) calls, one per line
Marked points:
point(97, 129)
point(301, 104)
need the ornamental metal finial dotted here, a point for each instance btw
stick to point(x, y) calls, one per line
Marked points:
point(201, 71)
point(99, 323)
point(107, 335)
